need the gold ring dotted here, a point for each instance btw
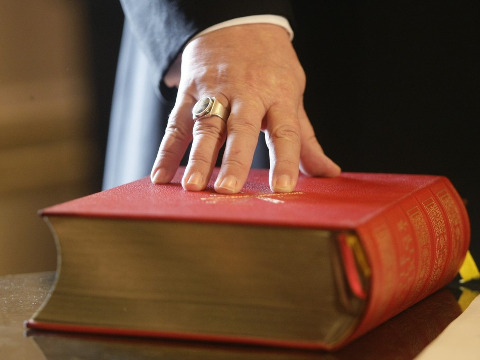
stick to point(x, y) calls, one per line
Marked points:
point(209, 106)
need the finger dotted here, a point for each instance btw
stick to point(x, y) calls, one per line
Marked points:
point(208, 138)
point(283, 141)
point(313, 160)
point(243, 127)
point(178, 135)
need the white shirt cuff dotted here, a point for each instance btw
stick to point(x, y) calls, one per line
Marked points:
point(253, 19)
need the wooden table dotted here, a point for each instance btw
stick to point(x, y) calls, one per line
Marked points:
point(403, 337)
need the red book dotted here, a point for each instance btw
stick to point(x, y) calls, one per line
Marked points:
point(312, 269)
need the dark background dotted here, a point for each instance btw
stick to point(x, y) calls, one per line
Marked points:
point(105, 23)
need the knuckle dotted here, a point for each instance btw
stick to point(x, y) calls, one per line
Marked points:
point(244, 127)
point(288, 132)
point(235, 163)
point(286, 163)
point(208, 130)
point(176, 132)
point(165, 152)
point(199, 160)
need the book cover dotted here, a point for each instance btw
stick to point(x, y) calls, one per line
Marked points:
point(256, 267)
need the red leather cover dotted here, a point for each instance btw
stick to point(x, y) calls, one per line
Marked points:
point(337, 203)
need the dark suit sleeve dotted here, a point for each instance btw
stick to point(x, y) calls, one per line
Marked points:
point(163, 27)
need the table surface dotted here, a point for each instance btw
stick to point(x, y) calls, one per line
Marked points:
point(403, 337)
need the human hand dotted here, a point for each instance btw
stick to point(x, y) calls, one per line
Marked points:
point(254, 70)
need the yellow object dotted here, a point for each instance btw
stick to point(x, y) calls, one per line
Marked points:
point(362, 262)
point(469, 270)
point(466, 298)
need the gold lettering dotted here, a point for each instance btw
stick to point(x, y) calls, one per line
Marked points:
point(440, 236)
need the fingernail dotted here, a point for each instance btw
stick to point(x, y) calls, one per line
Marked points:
point(283, 183)
point(228, 184)
point(194, 181)
point(158, 176)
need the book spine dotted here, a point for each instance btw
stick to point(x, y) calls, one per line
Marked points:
point(414, 248)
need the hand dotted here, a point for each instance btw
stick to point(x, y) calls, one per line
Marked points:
point(254, 70)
